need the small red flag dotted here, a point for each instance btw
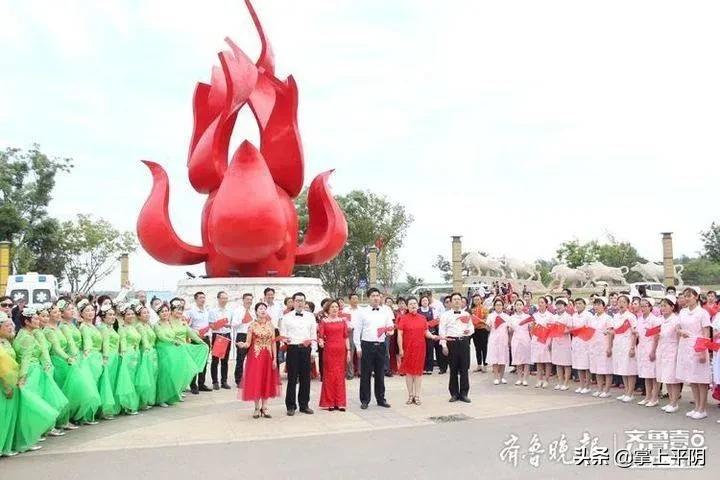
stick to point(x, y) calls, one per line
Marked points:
point(220, 346)
point(651, 332)
point(556, 330)
point(433, 323)
point(703, 343)
point(498, 321)
point(203, 331)
point(541, 333)
point(583, 333)
point(623, 328)
point(526, 321)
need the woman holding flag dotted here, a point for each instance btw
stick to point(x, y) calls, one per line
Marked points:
point(665, 349)
point(648, 327)
point(539, 345)
point(560, 349)
point(601, 362)
point(498, 348)
point(520, 342)
point(693, 362)
point(624, 338)
point(581, 333)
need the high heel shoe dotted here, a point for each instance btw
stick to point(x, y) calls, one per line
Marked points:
point(256, 414)
point(417, 401)
point(264, 413)
point(410, 401)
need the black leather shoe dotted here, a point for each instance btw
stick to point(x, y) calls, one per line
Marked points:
point(225, 386)
point(306, 410)
point(290, 413)
point(443, 372)
point(453, 399)
point(388, 374)
point(204, 388)
point(216, 386)
point(464, 399)
point(364, 406)
point(384, 404)
point(195, 391)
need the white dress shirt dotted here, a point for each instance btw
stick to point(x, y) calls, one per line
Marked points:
point(238, 322)
point(369, 320)
point(437, 307)
point(275, 311)
point(298, 328)
point(218, 313)
point(354, 315)
point(198, 318)
point(451, 325)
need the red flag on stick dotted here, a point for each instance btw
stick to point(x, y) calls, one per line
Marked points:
point(583, 333)
point(623, 328)
point(651, 332)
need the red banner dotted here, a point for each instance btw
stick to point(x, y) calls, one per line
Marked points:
point(623, 328)
point(703, 343)
point(651, 332)
point(583, 333)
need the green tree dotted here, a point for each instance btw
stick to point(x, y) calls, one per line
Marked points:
point(711, 242)
point(699, 271)
point(412, 281)
point(369, 217)
point(93, 247)
point(388, 269)
point(611, 252)
point(574, 253)
point(27, 180)
point(443, 264)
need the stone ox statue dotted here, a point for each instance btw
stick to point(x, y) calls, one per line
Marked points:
point(515, 268)
point(652, 272)
point(565, 276)
point(483, 265)
point(597, 271)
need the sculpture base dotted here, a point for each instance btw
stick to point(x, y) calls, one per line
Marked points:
point(235, 287)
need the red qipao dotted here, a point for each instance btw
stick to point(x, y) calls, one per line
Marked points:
point(260, 381)
point(333, 332)
point(413, 327)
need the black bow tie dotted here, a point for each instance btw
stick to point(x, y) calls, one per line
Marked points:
point(457, 312)
point(298, 314)
point(375, 308)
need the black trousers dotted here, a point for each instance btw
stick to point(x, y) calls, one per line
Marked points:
point(459, 360)
point(440, 358)
point(223, 362)
point(239, 357)
point(480, 340)
point(199, 379)
point(298, 371)
point(372, 362)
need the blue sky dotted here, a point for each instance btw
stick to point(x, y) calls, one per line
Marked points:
point(515, 124)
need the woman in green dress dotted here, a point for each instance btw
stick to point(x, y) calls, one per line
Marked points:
point(195, 346)
point(147, 372)
point(92, 358)
point(75, 381)
point(36, 414)
point(129, 338)
point(49, 389)
point(9, 374)
point(175, 367)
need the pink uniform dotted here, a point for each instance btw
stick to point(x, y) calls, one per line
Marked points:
point(688, 367)
point(520, 341)
point(540, 352)
point(600, 363)
point(498, 349)
point(581, 348)
point(561, 351)
point(666, 353)
point(646, 367)
point(623, 363)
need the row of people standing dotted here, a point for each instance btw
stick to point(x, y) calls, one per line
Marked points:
point(58, 373)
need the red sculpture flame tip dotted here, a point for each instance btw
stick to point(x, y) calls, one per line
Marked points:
point(249, 223)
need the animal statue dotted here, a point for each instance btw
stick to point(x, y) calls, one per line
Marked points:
point(565, 276)
point(483, 265)
point(597, 271)
point(653, 272)
point(516, 267)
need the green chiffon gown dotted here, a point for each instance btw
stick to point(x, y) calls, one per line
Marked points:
point(147, 370)
point(125, 386)
point(198, 349)
point(35, 415)
point(175, 366)
point(9, 373)
point(74, 379)
point(92, 345)
point(49, 388)
point(116, 375)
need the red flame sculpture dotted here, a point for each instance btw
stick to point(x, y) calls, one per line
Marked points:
point(249, 222)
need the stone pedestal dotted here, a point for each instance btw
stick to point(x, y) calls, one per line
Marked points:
point(235, 287)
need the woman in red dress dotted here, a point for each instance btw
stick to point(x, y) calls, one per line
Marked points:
point(260, 380)
point(412, 331)
point(333, 339)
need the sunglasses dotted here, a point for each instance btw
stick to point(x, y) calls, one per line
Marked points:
point(6, 305)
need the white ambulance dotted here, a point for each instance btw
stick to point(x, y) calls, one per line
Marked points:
point(35, 288)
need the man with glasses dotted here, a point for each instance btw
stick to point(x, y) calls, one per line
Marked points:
point(298, 329)
point(6, 305)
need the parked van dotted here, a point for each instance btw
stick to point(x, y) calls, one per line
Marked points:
point(35, 288)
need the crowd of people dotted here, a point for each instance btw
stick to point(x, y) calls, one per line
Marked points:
point(77, 361)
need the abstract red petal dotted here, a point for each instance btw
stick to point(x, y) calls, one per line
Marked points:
point(154, 229)
point(280, 140)
point(327, 230)
point(247, 222)
point(201, 113)
point(262, 100)
point(203, 171)
point(266, 60)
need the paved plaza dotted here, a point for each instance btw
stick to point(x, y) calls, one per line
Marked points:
point(213, 435)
